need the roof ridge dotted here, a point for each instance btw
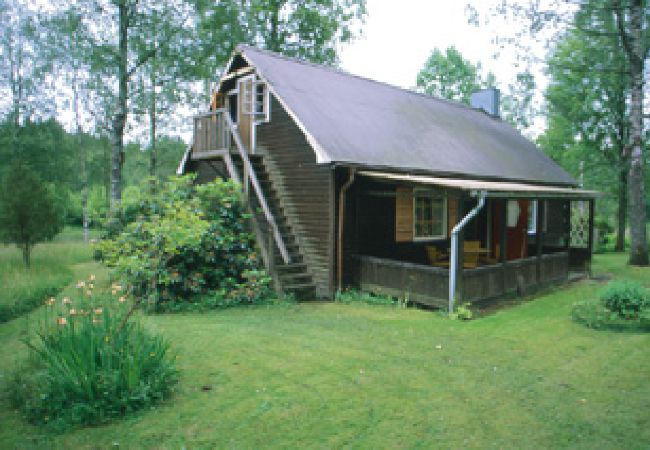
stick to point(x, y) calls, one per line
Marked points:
point(382, 83)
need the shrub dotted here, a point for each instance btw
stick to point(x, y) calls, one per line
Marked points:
point(592, 314)
point(463, 312)
point(354, 296)
point(187, 243)
point(625, 298)
point(91, 362)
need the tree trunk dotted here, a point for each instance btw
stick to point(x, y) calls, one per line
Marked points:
point(119, 121)
point(26, 250)
point(152, 126)
point(638, 235)
point(82, 161)
point(622, 207)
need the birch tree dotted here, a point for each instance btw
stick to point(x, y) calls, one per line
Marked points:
point(629, 37)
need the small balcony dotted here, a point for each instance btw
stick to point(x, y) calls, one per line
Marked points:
point(211, 133)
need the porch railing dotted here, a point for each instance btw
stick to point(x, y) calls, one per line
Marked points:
point(211, 132)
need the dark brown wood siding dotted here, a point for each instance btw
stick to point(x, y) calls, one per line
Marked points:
point(305, 192)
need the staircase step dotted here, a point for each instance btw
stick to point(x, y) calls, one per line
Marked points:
point(299, 287)
point(291, 267)
point(295, 277)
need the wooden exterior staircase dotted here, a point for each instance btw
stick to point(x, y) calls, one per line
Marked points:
point(291, 277)
point(216, 136)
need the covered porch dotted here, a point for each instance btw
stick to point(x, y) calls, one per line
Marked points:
point(399, 237)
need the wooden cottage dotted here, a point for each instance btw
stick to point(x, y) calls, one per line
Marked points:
point(355, 183)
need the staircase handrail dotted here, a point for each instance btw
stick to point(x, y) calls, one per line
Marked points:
point(258, 190)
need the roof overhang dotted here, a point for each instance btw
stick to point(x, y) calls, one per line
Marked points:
point(493, 189)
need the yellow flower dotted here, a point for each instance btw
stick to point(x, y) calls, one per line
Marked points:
point(61, 321)
point(67, 301)
point(91, 285)
point(50, 302)
point(73, 312)
point(114, 292)
point(122, 299)
point(89, 292)
point(92, 278)
point(81, 284)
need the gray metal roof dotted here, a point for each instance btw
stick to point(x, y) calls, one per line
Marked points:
point(353, 120)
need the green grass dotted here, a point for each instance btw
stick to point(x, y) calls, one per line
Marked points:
point(25, 288)
point(331, 375)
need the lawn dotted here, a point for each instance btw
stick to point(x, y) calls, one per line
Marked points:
point(325, 375)
point(51, 270)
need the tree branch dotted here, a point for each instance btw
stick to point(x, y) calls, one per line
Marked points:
point(142, 60)
point(625, 38)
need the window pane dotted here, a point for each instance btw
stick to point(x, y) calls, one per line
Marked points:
point(429, 216)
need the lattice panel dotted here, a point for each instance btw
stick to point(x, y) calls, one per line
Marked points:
point(579, 224)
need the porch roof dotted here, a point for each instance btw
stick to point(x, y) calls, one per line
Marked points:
point(494, 189)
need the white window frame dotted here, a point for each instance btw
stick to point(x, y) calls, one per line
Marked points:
point(249, 99)
point(265, 114)
point(434, 195)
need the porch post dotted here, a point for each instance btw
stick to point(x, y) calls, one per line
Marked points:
point(460, 252)
point(539, 237)
point(503, 242)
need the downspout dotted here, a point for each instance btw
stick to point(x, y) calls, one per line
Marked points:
point(339, 247)
point(454, 247)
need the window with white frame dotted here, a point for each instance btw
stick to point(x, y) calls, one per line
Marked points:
point(255, 98)
point(430, 215)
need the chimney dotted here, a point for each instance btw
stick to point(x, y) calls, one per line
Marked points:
point(487, 100)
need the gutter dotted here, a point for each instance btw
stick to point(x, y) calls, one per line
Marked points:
point(453, 263)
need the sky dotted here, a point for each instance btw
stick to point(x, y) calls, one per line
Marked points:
point(399, 36)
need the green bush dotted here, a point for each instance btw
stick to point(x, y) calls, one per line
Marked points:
point(187, 243)
point(463, 312)
point(625, 298)
point(354, 296)
point(593, 314)
point(91, 363)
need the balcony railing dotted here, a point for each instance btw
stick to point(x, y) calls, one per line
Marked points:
point(211, 132)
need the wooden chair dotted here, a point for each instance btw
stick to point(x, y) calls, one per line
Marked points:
point(436, 257)
point(471, 254)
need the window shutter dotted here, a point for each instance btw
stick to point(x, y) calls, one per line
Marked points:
point(404, 214)
point(452, 212)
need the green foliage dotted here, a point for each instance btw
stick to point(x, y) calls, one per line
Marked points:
point(462, 312)
point(349, 296)
point(592, 314)
point(622, 305)
point(311, 29)
point(187, 243)
point(625, 298)
point(29, 211)
point(451, 76)
point(91, 363)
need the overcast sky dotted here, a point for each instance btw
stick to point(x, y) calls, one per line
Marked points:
point(399, 36)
